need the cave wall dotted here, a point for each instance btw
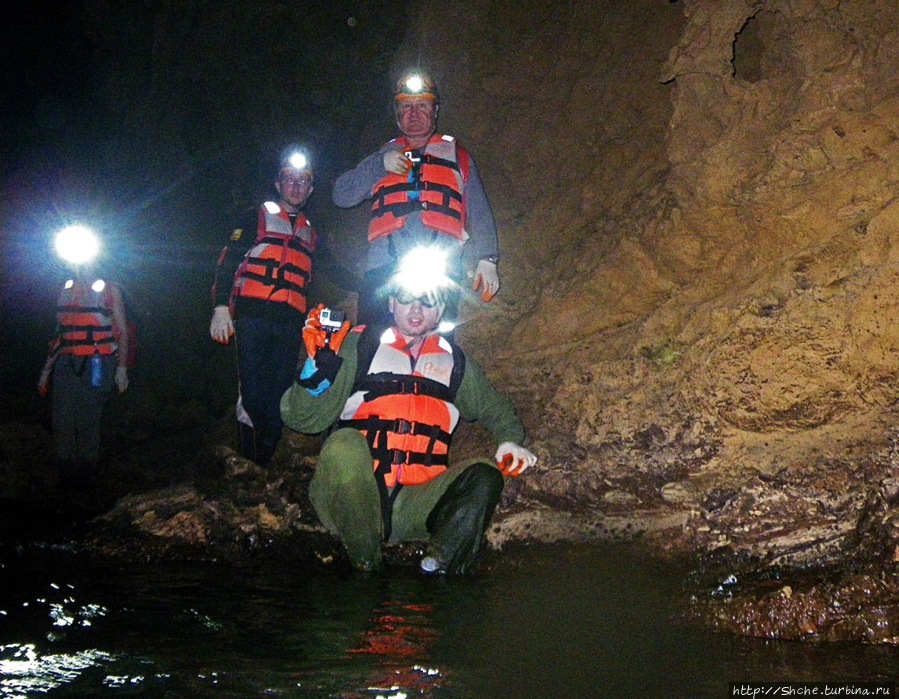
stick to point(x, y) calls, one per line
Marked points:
point(697, 216)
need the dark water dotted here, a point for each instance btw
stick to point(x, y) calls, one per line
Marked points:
point(562, 622)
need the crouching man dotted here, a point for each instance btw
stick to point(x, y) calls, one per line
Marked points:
point(396, 395)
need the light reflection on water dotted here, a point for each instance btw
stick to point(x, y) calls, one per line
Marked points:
point(558, 623)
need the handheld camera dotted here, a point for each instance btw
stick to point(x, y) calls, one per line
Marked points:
point(416, 164)
point(331, 320)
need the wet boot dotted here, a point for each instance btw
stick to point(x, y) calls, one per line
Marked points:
point(266, 444)
point(458, 520)
point(258, 445)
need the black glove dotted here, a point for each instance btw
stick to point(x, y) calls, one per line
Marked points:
point(327, 364)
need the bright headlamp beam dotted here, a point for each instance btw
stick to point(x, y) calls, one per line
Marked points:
point(414, 84)
point(298, 161)
point(423, 271)
point(77, 245)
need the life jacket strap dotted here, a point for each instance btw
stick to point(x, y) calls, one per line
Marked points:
point(101, 310)
point(385, 384)
point(403, 208)
point(294, 243)
point(89, 340)
point(429, 159)
point(274, 275)
point(374, 423)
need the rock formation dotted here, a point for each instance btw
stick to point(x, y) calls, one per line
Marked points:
point(699, 317)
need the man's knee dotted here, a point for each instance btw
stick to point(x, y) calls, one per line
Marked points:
point(345, 445)
point(478, 488)
point(344, 459)
point(481, 478)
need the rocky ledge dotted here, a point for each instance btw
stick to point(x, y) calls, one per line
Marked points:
point(807, 552)
point(772, 557)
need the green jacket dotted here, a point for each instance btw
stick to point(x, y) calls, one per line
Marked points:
point(476, 400)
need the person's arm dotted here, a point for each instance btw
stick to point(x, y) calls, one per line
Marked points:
point(239, 242)
point(478, 400)
point(310, 414)
point(479, 221)
point(120, 321)
point(221, 327)
point(355, 186)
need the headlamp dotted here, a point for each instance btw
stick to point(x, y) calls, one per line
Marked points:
point(77, 244)
point(295, 157)
point(422, 272)
point(414, 84)
point(297, 161)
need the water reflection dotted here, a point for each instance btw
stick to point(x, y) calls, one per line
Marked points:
point(547, 623)
point(25, 670)
point(399, 644)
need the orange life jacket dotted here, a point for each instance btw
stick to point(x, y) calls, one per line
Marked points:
point(435, 186)
point(279, 265)
point(406, 412)
point(84, 319)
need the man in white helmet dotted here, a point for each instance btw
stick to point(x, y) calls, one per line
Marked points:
point(396, 394)
point(425, 191)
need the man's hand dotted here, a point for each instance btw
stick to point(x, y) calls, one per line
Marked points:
point(313, 333)
point(121, 378)
point(397, 163)
point(222, 327)
point(322, 363)
point(43, 383)
point(513, 460)
point(486, 275)
point(316, 337)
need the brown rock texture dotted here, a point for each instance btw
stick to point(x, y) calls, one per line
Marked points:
point(716, 305)
point(697, 205)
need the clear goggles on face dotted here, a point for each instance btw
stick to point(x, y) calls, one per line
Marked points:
point(300, 181)
point(406, 298)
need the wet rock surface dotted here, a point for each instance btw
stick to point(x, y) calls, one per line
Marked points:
point(824, 605)
point(229, 510)
point(826, 577)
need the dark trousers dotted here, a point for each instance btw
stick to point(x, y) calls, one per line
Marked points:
point(450, 512)
point(267, 354)
point(78, 408)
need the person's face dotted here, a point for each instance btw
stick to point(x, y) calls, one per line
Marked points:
point(416, 116)
point(294, 187)
point(417, 316)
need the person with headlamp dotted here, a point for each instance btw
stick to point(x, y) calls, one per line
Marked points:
point(87, 359)
point(425, 190)
point(259, 296)
point(395, 395)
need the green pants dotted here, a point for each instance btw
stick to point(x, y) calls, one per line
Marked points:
point(345, 495)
